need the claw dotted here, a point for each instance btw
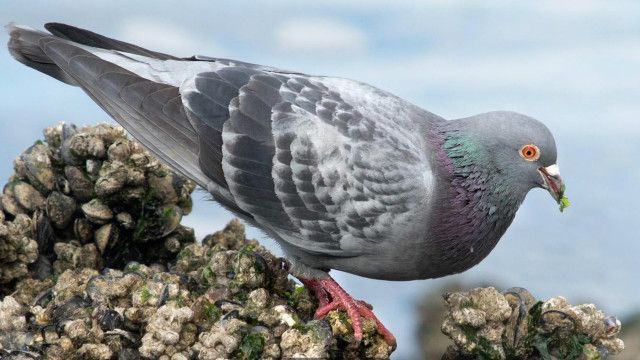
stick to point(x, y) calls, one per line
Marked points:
point(332, 296)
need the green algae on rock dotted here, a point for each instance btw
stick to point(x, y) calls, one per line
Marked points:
point(486, 324)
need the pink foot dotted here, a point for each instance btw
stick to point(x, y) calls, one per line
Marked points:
point(332, 296)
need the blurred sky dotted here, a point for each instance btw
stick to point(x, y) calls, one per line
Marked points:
point(575, 65)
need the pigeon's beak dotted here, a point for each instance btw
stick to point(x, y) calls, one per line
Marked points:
point(552, 181)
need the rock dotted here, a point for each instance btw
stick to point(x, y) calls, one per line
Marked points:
point(164, 333)
point(92, 185)
point(18, 248)
point(212, 303)
point(484, 323)
point(13, 324)
point(95, 352)
point(311, 342)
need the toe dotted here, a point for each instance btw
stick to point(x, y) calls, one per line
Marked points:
point(322, 311)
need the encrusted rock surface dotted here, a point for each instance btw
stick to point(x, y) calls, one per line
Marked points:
point(226, 299)
point(94, 264)
point(18, 248)
point(487, 324)
point(87, 198)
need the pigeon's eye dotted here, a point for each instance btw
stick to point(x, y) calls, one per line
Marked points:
point(530, 152)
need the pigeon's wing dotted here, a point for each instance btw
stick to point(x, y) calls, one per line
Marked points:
point(329, 165)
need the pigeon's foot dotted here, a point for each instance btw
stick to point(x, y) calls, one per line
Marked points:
point(332, 296)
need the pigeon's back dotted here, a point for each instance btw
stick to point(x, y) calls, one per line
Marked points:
point(330, 167)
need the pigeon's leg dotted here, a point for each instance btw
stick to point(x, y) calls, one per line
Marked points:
point(320, 293)
point(328, 289)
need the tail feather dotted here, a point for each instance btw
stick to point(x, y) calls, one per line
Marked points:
point(24, 46)
point(89, 38)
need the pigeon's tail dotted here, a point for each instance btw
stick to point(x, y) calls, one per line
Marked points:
point(151, 111)
point(24, 46)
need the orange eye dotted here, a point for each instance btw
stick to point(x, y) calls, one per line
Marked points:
point(530, 152)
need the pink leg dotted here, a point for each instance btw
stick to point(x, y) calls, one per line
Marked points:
point(321, 295)
point(340, 299)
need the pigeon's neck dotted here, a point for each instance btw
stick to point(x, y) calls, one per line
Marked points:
point(475, 204)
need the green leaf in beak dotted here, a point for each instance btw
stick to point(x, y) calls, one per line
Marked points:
point(563, 201)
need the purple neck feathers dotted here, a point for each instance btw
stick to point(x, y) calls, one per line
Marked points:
point(473, 208)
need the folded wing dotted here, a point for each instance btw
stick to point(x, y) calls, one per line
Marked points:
point(327, 165)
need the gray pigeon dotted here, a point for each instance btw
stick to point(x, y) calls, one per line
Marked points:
point(343, 175)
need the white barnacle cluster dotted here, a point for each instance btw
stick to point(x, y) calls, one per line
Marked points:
point(18, 248)
point(13, 324)
point(168, 333)
point(477, 317)
point(488, 324)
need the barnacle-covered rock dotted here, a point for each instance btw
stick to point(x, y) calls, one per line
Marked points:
point(168, 333)
point(222, 340)
point(18, 248)
point(72, 255)
point(312, 341)
point(13, 324)
point(228, 299)
point(486, 324)
point(85, 189)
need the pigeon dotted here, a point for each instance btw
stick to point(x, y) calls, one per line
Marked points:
point(341, 174)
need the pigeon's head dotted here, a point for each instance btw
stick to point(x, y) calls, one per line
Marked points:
point(520, 152)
